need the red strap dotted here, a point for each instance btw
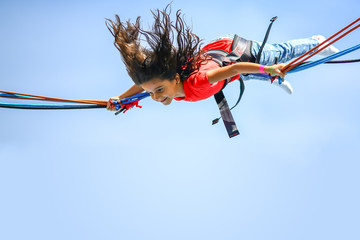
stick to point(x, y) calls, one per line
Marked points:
point(131, 105)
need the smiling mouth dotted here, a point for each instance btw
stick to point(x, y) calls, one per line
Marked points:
point(164, 100)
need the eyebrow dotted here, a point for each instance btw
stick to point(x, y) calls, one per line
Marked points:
point(159, 87)
point(156, 88)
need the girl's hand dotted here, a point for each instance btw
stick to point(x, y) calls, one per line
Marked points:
point(110, 106)
point(135, 89)
point(275, 70)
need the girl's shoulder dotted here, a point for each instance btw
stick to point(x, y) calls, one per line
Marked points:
point(197, 86)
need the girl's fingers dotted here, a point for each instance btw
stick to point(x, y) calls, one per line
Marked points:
point(279, 73)
point(110, 106)
point(278, 70)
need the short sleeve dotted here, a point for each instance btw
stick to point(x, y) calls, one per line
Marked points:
point(197, 87)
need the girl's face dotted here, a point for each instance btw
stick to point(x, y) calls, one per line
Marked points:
point(164, 91)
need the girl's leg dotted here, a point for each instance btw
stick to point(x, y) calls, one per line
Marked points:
point(284, 51)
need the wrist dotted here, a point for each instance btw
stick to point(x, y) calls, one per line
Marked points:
point(269, 70)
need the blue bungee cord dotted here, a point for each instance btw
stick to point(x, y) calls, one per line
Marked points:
point(324, 60)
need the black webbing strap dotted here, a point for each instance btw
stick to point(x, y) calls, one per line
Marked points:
point(222, 57)
point(226, 114)
point(265, 39)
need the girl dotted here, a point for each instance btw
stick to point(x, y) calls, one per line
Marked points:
point(175, 67)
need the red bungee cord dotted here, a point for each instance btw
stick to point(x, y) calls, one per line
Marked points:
point(299, 60)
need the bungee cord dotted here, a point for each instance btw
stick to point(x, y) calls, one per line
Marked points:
point(48, 106)
point(326, 60)
point(121, 106)
point(319, 47)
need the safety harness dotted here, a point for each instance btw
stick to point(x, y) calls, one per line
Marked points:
point(240, 52)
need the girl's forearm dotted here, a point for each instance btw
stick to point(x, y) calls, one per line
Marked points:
point(134, 89)
point(240, 68)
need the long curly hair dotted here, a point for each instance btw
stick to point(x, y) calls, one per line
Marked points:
point(172, 47)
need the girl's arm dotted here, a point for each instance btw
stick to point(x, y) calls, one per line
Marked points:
point(219, 74)
point(134, 89)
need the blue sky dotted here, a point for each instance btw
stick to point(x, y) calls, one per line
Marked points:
point(165, 172)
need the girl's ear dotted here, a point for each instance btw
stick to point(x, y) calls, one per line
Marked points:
point(177, 78)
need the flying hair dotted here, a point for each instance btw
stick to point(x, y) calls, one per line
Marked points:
point(172, 47)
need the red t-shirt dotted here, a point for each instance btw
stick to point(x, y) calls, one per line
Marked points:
point(197, 86)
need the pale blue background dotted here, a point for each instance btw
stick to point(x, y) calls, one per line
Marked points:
point(164, 172)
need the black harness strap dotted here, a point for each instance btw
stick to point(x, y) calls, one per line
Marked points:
point(226, 114)
point(265, 40)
